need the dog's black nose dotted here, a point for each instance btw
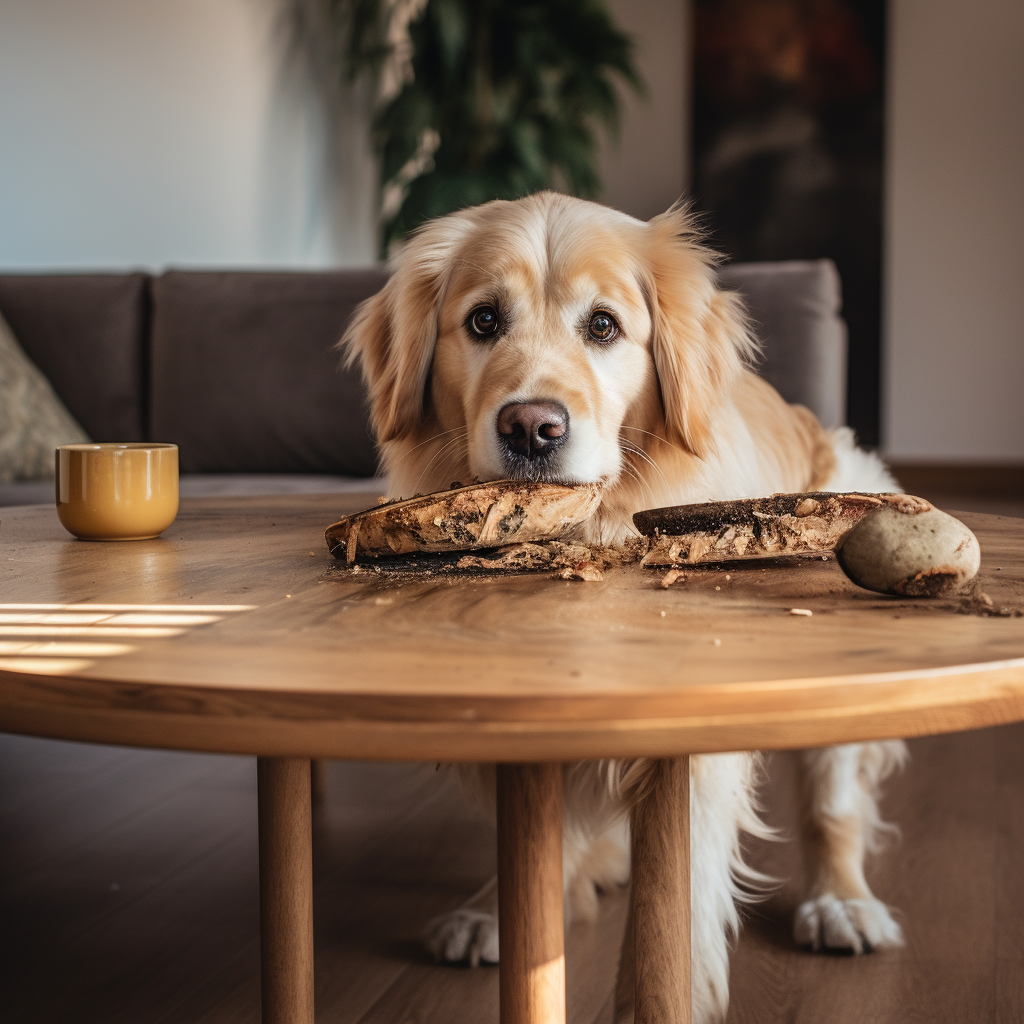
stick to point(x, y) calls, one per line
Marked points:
point(533, 428)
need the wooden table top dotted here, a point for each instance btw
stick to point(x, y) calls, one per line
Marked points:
point(238, 632)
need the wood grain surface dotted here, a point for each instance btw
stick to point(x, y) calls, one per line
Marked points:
point(655, 967)
point(531, 918)
point(286, 890)
point(238, 632)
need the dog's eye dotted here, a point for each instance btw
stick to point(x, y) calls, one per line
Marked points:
point(602, 327)
point(483, 321)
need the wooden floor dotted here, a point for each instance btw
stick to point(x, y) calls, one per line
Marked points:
point(128, 895)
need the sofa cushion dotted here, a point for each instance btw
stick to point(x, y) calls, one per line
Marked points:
point(794, 306)
point(245, 375)
point(33, 420)
point(85, 332)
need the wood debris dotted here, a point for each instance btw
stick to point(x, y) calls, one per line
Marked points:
point(575, 561)
point(783, 524)
point(464, 519)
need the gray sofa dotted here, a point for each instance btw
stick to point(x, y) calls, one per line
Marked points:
point(239, 369)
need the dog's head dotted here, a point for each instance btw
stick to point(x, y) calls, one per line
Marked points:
point(546, 339)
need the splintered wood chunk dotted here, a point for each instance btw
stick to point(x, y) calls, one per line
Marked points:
point(783, 524)
point(465, 519)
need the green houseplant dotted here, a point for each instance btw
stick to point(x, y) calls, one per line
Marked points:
point(482, 99)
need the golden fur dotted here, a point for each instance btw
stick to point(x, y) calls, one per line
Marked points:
point(668, 413)
point(673, 406)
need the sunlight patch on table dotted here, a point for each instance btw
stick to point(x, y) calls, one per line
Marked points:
point(147, 619)
point(105, 618)
point(62, 648)
point(90, 607)
point(46, 666)
point(139, 632)
point(77, 635)
point(53, 618)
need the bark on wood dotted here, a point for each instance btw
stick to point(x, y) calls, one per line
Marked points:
point(783, 524)
point(465, 519)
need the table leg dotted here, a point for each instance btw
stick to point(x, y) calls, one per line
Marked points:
point(286, 889)
point(318, 769)
point(659, 909)
point(531, 918)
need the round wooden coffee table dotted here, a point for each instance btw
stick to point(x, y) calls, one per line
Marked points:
point(237, 632)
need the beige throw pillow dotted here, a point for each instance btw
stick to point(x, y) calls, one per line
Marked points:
point(33, 420)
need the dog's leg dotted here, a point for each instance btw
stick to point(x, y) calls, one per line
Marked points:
point(840, 825)
point(721, 808)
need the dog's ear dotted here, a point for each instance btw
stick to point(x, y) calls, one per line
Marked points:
point(392, 335)
point(701, 339)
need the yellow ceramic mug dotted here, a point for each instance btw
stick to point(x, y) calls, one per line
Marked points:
point(117, 491)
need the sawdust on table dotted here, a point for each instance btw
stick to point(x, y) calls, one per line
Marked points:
point(573, 561)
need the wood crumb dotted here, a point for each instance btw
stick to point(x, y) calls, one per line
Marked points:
point(589, 572)
point(671, 576)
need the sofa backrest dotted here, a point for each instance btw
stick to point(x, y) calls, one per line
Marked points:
point(794, 309)
point(240, 369)
point(246, 377)
point(87, 333)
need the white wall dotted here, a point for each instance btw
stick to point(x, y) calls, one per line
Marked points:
point(145, 134)
point(955, 250)
point(647, 170)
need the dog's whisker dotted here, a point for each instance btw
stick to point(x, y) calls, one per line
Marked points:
point(652, 493)
point(644, 486)
point(641, 454)
point(448, 455)
point(657, 437)
point(628, 446)
point(453, 463)
point(461, 436)
point(634, 474)
point(433, 437)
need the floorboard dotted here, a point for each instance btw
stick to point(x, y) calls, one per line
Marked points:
point(129, 895)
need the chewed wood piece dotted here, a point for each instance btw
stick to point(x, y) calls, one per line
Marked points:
point(465, 519)
point(783, 524)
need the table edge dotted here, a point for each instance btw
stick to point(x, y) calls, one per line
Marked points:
point(816, 712)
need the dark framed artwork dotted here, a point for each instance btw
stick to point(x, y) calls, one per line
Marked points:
point(788, 105)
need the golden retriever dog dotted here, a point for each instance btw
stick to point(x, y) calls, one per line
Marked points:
point(555, 339)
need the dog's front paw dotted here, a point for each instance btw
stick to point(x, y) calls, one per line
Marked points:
point(859, 925)
point(464, 935)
